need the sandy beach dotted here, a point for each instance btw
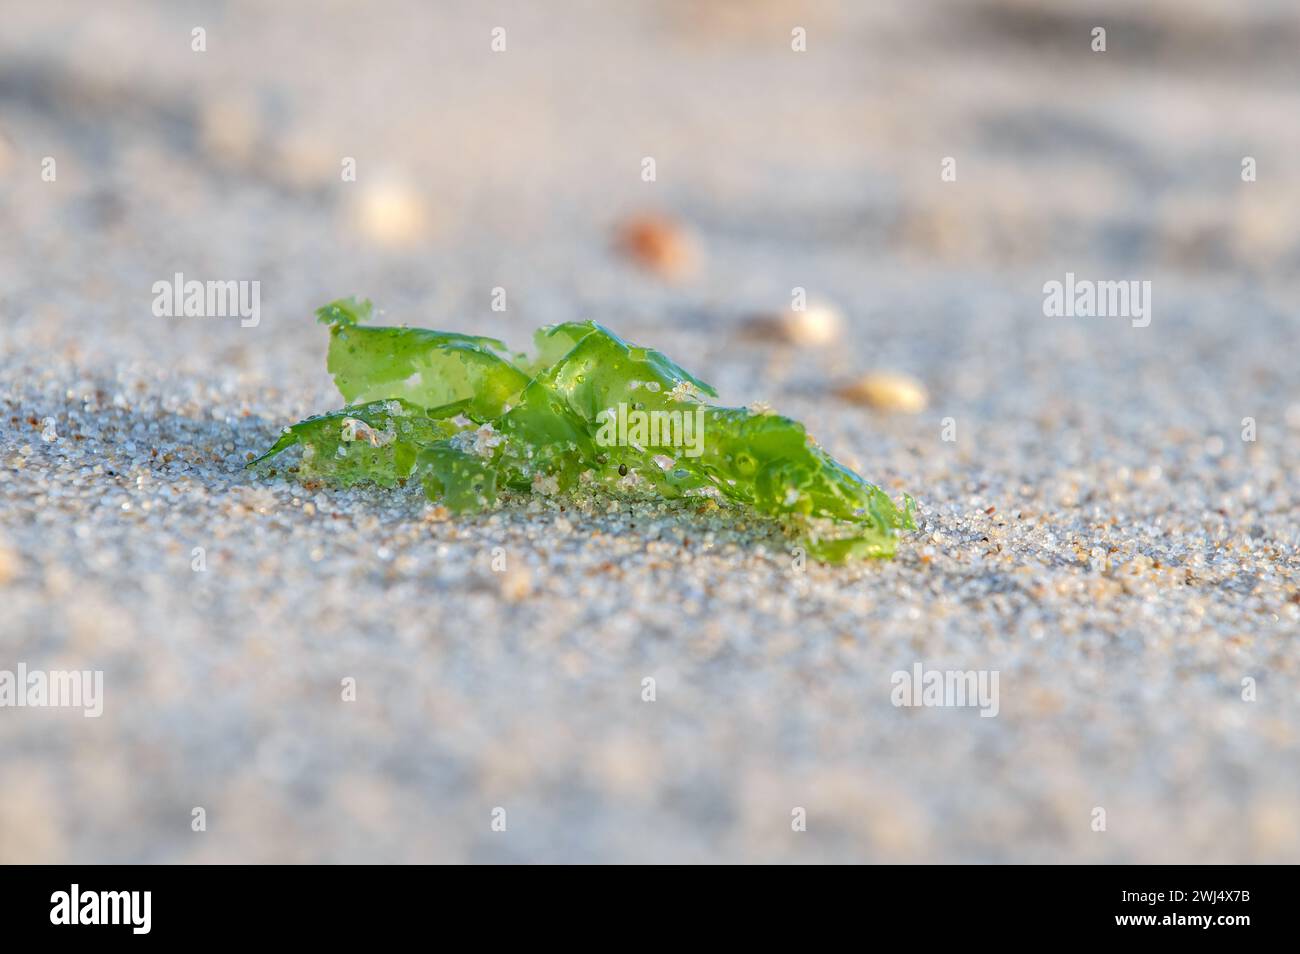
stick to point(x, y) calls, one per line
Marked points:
point(1108, 506)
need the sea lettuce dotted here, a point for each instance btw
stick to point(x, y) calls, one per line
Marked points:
point(591, 412)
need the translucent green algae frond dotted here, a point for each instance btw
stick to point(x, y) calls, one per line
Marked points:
point(591, 411)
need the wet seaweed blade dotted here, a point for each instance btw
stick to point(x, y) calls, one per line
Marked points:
point(591, 411)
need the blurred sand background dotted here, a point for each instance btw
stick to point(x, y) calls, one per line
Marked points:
point(1139, 560)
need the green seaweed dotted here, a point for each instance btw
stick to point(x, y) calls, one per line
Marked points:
point(427, 368)
point(468, 419)
point(377, 442)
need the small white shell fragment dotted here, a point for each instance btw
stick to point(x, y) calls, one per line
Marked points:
point(392, 214)
point(817, 325)
point(354, 429)
point(684, 391)
point(886, 391)
point(480, 441)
